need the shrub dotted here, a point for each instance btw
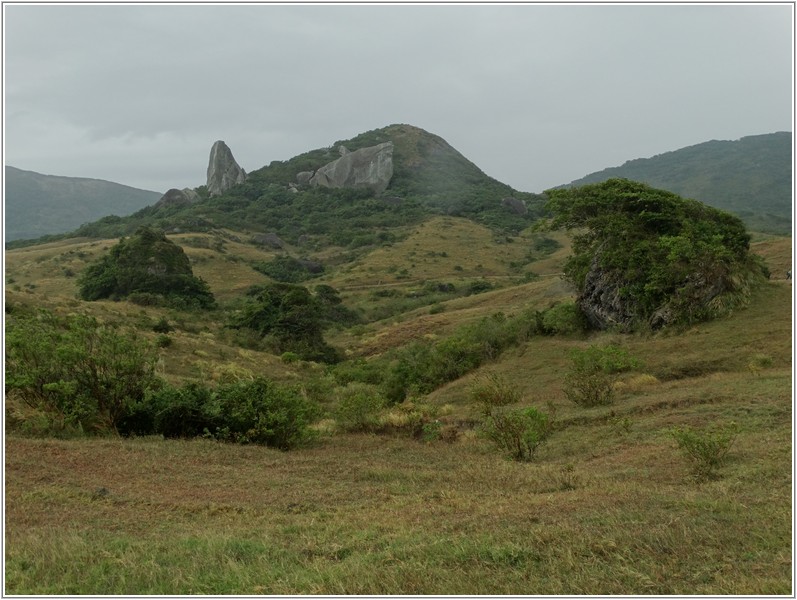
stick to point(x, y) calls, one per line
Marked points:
point(162, 326)
point(163, 341)
point(359, 406)
point(705, 449)
point(517, 431)
point(591, 378)
point(78, 371)
point(564, 318)
point(411, 416)
point(184, 412)
point(261, 412)
point(492, 392)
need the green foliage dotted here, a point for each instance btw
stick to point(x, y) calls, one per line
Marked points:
point(148, 268)
point(516, 431)
point(591, 377)
point(79, 372)
point(359, 405)
point(257, 412)
point(519, 432)
point(288, 269)
point(183, 412)
point(670, 259)
point(564, 318)
point(162, 326)
point(492, 392)
point(422, 367)
point(292, 317)
point(705, 449)
point(262, 412)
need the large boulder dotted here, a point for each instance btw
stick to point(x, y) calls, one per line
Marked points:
point(370, 167)
point(223, 171)
point(175, 197)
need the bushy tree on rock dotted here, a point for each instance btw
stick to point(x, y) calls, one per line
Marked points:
point(644, 257)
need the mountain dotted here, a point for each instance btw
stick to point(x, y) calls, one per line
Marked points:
point(38, 205)
point(750, 177)
point(292, 200)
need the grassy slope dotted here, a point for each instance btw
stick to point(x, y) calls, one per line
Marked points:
point(607, 508)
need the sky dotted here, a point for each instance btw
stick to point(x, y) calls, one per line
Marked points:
point(536, 95)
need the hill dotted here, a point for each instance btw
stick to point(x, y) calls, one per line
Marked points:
point(750, 177)
point(38, 205)
point(452, 302)
point(405, 513)
point(429, 177)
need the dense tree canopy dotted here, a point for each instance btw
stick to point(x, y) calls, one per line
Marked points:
point(147, 263)
point(292, 317)
point(643, 255)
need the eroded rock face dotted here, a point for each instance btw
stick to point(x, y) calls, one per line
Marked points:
point(223, 171)
point(370, 167)
point(602, 303)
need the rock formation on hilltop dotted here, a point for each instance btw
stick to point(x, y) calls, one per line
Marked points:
point(223, 171)
point(175, 197)
point(370, 167)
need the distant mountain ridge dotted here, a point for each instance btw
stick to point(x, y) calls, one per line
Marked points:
point(750, 177)
point(38, 205)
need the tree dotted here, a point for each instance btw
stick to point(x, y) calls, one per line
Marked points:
point(145, 263)
point(291, 317)
point(648, 256)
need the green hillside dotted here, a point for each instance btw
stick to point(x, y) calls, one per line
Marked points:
point(750, 177)
point(398, 394)
point(430, 177)
point(38, 205)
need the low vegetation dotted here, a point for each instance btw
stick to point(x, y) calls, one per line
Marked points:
point(379, 430)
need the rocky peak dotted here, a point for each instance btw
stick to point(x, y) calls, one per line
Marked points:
point(175, 197)
point(223, 171)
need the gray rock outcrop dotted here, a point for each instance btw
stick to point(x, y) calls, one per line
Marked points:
point(175, 197)
point(223, 171)
point(602, 302)
point(272, 240)
point(370, 167)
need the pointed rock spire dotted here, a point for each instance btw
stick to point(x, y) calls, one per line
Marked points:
point(223, 171)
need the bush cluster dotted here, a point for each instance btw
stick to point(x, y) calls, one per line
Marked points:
point(593, 373)
point(292, 318)
point(81, 373)
point(244, 412)
point(518, 432)
point(87, 376)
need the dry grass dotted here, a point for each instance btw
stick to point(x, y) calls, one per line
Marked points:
point(608, 506)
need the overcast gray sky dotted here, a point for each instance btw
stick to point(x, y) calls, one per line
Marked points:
point(535, 95)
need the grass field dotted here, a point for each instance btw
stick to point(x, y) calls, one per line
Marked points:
point(608, 506)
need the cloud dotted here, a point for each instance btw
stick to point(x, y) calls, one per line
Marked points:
point(535, 95)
